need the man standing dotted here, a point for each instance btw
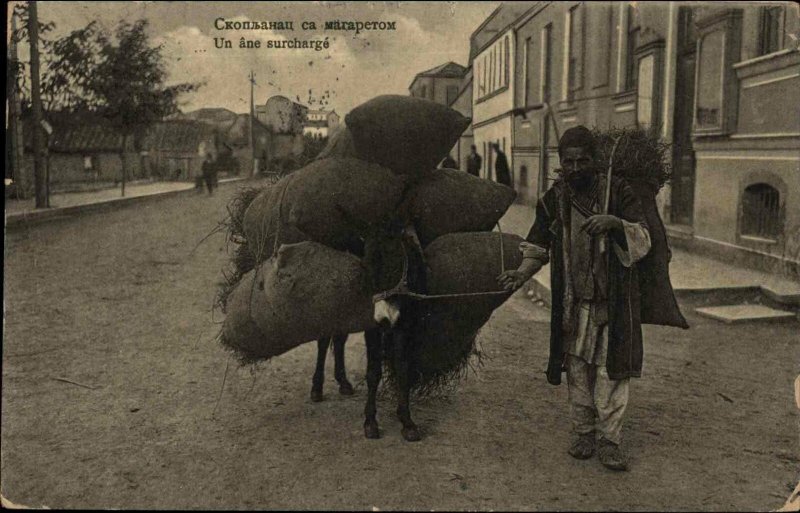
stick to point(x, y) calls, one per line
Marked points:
point(209, 172)
point(595, 330)
point(501, 171)
point(474, 162)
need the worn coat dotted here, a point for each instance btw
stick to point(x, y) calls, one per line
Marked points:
point(549, 231)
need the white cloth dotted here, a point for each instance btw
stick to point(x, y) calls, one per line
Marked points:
point(597, 403)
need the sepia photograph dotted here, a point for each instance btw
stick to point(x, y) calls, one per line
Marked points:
point(401, 256)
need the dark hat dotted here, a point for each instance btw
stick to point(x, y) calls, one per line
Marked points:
point(577, 137)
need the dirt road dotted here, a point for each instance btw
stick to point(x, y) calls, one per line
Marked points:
point(119, 305)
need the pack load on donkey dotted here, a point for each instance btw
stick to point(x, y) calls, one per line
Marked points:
point(299, 270)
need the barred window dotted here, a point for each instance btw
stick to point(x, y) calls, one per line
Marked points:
point(770, 34)
point(761, 211)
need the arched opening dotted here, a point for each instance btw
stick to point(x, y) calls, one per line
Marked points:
point(761, 211)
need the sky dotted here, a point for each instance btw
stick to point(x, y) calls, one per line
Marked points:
point(354, 69)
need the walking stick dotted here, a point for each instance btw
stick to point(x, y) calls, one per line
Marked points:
point(607, 200)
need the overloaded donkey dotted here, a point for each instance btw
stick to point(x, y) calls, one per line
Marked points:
point(397, 314)
point(390, 256)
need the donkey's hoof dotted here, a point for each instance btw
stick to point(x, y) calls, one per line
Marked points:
point(371, 431)
point(345, 388)
point(316, 395)
point(411, 434)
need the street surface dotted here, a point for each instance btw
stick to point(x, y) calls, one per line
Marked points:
point(111, 374)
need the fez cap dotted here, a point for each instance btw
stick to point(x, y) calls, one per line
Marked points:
point(577, 137)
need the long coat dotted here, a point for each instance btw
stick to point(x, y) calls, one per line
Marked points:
point(501, 171)
point(549, 231)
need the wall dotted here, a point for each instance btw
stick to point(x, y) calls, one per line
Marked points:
point(492, 105)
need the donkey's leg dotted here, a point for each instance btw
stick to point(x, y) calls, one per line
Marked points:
point(374, 342)
point(402, 369)
point(319, 372)
point(345, 388)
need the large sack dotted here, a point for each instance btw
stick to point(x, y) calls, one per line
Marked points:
point(406, 134)
point(448, 201)
point(658, 303)
point(330, 201)
point(448, 327)
point(470, 262)
point(305, 292)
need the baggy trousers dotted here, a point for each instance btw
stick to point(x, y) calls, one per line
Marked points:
point(597, 403)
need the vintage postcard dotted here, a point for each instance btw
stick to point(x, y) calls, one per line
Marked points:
point(402, 256)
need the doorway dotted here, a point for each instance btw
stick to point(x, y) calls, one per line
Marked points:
point(683, 159)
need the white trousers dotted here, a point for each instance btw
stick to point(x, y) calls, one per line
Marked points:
point(597, 403)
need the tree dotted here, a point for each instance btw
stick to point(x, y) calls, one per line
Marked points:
point(127, 83)
point(120, 77)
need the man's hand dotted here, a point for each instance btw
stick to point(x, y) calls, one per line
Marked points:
point(514, 279)
point(600, 224)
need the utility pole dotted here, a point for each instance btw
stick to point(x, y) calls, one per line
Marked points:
point(253, 164)
point(13, 140)
point(36, 101)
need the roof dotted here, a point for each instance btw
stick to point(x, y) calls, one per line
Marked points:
point(76, 133)
point(177, 135)
point(446, 70)
point(506, 14)
point(320, 123)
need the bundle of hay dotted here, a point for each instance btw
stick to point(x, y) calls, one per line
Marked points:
point(642, 159)
point(641, 155)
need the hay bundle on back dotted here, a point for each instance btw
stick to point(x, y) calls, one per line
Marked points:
point(406, 134)
point(641, 155)
point(642, 158)
point(448, 201)
point(305, 292)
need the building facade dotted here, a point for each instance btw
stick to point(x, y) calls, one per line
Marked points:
point(719, 82)
point(463, 104)
point(493, 59)
point(440, 84)
point(320, 123)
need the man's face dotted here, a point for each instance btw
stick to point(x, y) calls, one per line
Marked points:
point(578, 165)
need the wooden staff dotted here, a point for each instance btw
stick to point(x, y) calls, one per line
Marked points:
point(607, 200)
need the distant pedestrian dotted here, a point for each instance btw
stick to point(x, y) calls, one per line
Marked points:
point(209, 169)
point(449, 162)
point(501, 171)
point(474, 162)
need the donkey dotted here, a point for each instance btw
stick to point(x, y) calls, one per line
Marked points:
point(396, 313)
point(339, 372)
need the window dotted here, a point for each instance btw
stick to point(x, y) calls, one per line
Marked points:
point(505, 62)
point(493, 75)
point(575, 64)
point(88, 163)
point(710, 81)
point(761, 211)
point(545, 63)
point(526, 56)
point(770, 34)
point(452, 92)
point(423, 92)
point(631, 43)
point(646, 91)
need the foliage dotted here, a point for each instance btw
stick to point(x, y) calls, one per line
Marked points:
point(121, 77)
point(641, 154)
point(128, 80)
